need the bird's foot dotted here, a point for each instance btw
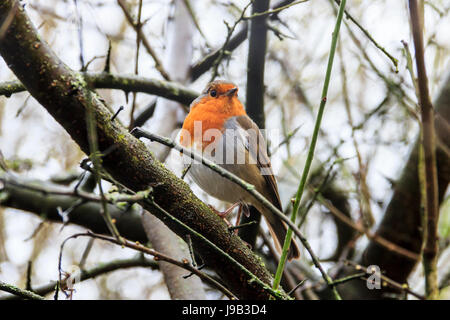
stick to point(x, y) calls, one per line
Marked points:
point(224, 214)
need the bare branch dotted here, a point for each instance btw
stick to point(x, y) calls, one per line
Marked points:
point(429, 148)
point(143, 38)
point(66, 96)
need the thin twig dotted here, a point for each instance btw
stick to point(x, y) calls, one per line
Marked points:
point(231, 29)
point(381, 241)
point(286, 140)
point(158, 257)
point(310, 156)
point(369, 36)
point(86, 252)
point(430, 251)
point(136, 64)
point(306, 208)
point(242, 225)
point(364, 198)
point(349, 278)
point(387, 280)
point(145, 42)
point(187, 3)
point(296, 287)
point(80, 36)
point(272, 11)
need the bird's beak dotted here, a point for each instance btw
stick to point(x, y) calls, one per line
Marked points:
point(231, 92)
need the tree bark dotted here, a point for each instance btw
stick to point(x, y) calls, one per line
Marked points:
point(66, 97)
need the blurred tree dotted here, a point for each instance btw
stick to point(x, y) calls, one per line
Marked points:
point(370, 125)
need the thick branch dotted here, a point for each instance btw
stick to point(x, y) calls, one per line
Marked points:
point(127, 83)
point(66, 97)
point(86, 215)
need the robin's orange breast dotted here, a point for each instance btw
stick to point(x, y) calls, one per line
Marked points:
point(209, 114)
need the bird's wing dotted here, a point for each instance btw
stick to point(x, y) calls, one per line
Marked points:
point(249, 134)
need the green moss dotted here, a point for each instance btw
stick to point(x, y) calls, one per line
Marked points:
point(79, 80)
point(4, 196)
point(121, 138)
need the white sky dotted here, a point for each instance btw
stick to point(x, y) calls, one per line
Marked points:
point(34, 134)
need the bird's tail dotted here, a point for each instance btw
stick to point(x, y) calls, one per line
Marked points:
point(277, 227)
point(278, 230)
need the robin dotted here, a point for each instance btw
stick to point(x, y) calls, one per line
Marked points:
point(218, 127)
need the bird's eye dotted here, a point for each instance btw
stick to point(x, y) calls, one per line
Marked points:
point(213, 93)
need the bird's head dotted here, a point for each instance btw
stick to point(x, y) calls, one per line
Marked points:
point(219, 96)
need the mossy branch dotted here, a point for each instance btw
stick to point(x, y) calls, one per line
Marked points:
point(19, 292)
point(126, 83)
point(66, 95)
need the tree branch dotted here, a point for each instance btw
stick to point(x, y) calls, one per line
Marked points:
point(204, 64)
point(401, 223)
point(127, 83)
point(45, 204)
point(66, 96)
point(158, 256)
point(19, 292)
point(100, 269)
point(255, 89)
point(430, 252)
point(143, 38)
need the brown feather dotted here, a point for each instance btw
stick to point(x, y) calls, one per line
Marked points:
point(258, 150)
